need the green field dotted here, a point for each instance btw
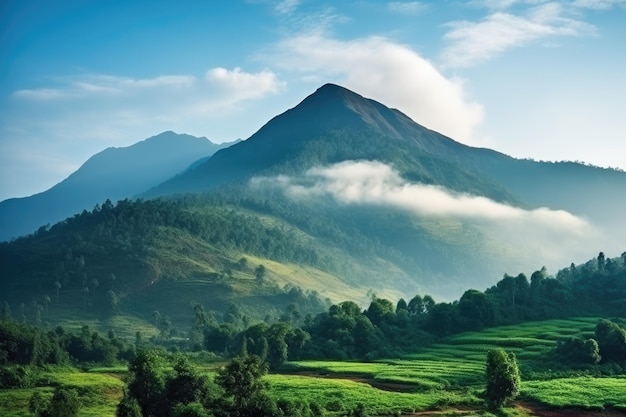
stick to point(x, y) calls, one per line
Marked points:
point(448, 375)
point(99, 392)
point(452, 372)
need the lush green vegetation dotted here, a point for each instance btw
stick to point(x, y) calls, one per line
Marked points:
point(447, 374)
point(583, 391)
point(98, 393)
point(419, 354)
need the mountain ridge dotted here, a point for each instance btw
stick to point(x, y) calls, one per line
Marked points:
point(314, 133)
point(114, 173)
point(373, 244)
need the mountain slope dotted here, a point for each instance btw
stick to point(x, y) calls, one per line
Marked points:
point(332, 125)
point(114, 174)
point(335, 124)
point(437, 250)
point(338, 194)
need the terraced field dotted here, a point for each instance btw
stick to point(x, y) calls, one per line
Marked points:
point(448, 377)
point(451, 373)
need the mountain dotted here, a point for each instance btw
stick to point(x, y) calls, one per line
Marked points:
point(553, 207)
point(339, 194)
point(335, 124)
point(114, 174)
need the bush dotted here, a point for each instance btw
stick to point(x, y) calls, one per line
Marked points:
point(64, 403)
point(16, 377)
point(503, 380)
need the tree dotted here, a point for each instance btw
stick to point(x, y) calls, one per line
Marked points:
point(128, 407)
point(37, 404)
point(611, 340)
point(188, 386)
point(401, 306)
point(241, 380)
point(95, 284)
point(503, 379)
point(57, 286)
point(601, 261)
point(148, 382)
point(277, 346)
point(379, 309)
point(156, 316)
point(476, 310)
point(6, 312)
point(112, 301)
point(64, 403)
point(46, 300)
point(576, 351)
point(259, 274)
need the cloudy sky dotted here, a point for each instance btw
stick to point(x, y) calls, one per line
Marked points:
point(530, 78)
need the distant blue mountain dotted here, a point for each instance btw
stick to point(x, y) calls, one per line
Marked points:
point(115, 173)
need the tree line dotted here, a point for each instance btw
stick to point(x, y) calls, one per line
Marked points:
point(385, 329)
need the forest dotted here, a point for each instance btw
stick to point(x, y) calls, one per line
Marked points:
point(160, 366)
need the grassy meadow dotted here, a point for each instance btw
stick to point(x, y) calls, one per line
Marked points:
point(99, 392)
point(451, 373)
point(445, 376)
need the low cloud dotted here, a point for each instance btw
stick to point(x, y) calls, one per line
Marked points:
point(544, 236)
point(375, 183)
point(386, 71)
point(472, 42)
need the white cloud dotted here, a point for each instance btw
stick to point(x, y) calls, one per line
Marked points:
point(287, 6)
point(527, 237)
point(406, 7)
point(40, 94)
point(598, 4)
point(375, 183)
point(391, 73)
point(78, 116)
point(473, 42)
point(243, 85)
point(99, 84)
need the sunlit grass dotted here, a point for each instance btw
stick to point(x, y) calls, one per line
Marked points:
point(341, 394)
point(99, 393)
point(584, 392)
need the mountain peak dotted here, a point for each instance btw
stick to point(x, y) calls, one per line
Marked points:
point(330, 88)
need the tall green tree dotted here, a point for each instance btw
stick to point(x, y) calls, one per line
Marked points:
point(128, 407)
point(259, 274)
point(188, 386)
point(612, 341)
point(503, 378)
point(242, 381)
point(147, 385)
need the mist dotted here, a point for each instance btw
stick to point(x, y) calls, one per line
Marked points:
point(528, 239)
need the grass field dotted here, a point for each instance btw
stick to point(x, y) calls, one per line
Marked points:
point(99, 392)
point(583, 392)
point(452, 372)
point(337, 395)
point(448, 375)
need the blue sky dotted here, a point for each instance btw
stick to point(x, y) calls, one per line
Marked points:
point(530, 78)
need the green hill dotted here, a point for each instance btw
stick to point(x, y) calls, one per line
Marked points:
point(340, 196)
